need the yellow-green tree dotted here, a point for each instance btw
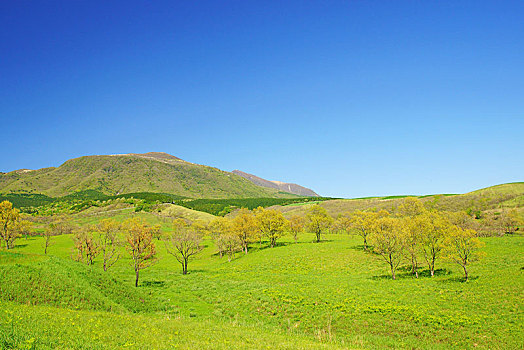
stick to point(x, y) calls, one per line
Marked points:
point(411, 207)
point(140, 244)
point(463, 247)
point(342, 224)
point(11, 224)
point(388, 241)
point(229, 244)
point(183, 243)
point(296, 226)
point(433, 227)
point(318, 221)
point(271, 223)
point(363, 223)
point(245, 226)
point(413, 228)
point(220, 229)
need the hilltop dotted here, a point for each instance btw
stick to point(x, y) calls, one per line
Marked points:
point(126, 173)
point(278, 185)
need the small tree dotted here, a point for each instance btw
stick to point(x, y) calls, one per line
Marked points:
point(342, 224)
point(48, 235)
point(108, 242)
point(87, 248)
point(412, 230)
point(271, 223)
point(229, 244)
point(463, 247)
point(388, 241)
point(184, 243)
point(363, 223)
point(140, 245)
point(244, 225)
point(411, 207)
point(432, 226)
point(10, 224)
point(296, 226)
point(218, 228)
point(509, 221)
point(318, 220)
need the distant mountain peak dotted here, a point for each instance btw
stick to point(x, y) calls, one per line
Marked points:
point(279, 185)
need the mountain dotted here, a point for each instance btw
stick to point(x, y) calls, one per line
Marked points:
point(278, 185)
point(128, 173)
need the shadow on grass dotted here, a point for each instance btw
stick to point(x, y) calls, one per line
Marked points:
point(361, 248)
point(461, 279)
point(405, 272)
point(20, 245)
point(157, 284)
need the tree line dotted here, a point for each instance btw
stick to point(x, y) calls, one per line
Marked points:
point(413, 233)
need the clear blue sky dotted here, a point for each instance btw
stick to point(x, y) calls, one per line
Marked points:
point(350, 98)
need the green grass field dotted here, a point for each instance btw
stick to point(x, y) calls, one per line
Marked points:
point(306, 295)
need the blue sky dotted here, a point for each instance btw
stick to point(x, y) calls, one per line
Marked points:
point(350, 98)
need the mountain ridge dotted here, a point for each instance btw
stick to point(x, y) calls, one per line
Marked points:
point(279, 185)
point(134, 172)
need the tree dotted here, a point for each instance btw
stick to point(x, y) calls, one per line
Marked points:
point(388, 241)
point(318, 220)
point(363, 222)
point(108, 242)
point(48, 235)
point(87, 248)
point(10, 224)
point(413, 233)
point(156, 231)
point(463, 247)
point(411, 210)
point(229, 244)
point(244, 226)
point(271, 223)
point(509, 221)
point(296, 226)
point(140, 244)
point(342, 224)
point(55, 228)
point(432, 226)
point(183, 243)
point(411, 207)
point(220, 227)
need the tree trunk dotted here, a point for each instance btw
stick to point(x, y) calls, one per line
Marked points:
point(392, 272)
point(245, 248)
point(136, 281)
point(365, 243)
point(318, 237)
point(465, 272)
point(184, 267)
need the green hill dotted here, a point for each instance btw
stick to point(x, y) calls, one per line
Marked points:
point(149, 172)
point(509, 195)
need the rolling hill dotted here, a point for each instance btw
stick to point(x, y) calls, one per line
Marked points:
point(499, 196)
point(126, 173)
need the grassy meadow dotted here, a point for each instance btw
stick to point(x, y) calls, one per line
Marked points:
point(301, 295)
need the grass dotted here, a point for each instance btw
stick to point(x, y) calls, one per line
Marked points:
point(304, 295)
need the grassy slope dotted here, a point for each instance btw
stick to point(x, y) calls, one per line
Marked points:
point(505, 195)
point(127, 173)
point(301, 294)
